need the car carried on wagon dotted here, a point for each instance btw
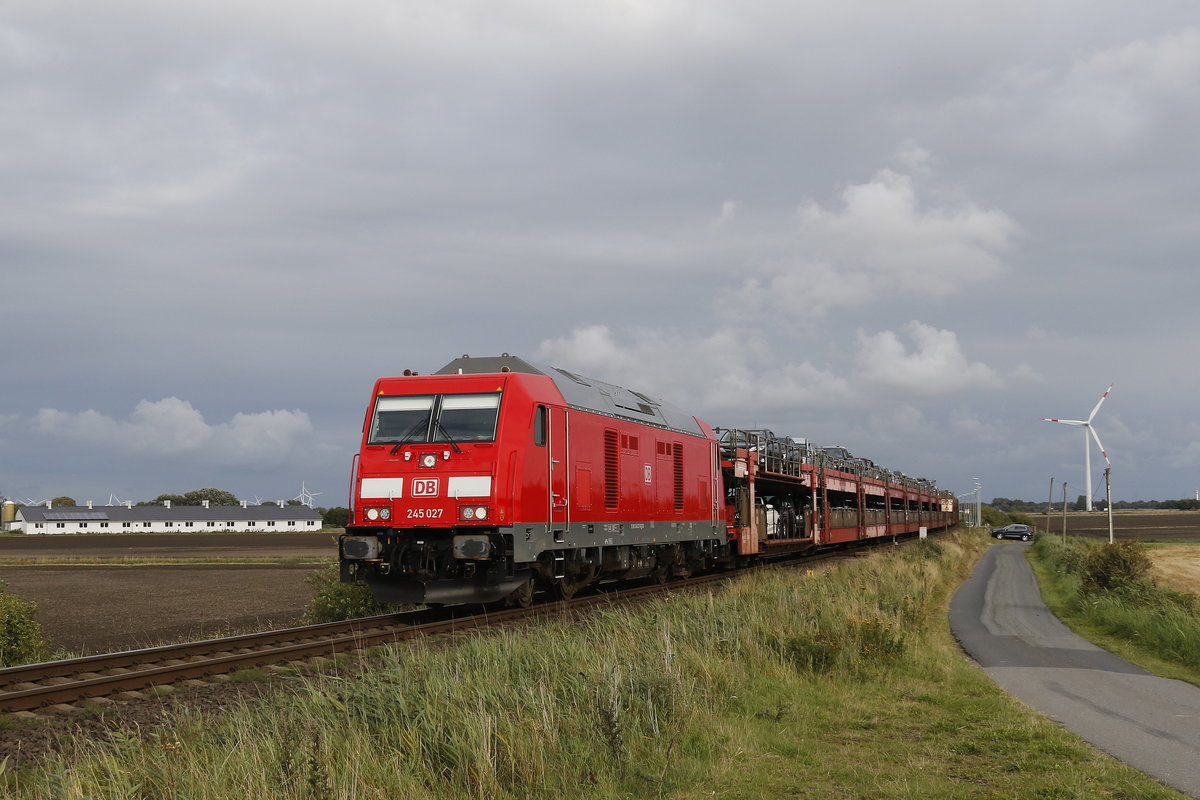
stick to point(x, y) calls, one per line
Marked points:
point(1022, 532)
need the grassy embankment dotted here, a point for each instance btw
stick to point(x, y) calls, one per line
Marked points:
point(842, 684)
point(1105, 594)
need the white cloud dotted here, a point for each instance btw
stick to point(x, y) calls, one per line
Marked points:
point(915, 160)
point(1023, 373)
point(1103, 104)
point(172, 428)
point(904, 421)
point(882, 240)
point(1168, 66)
point(728, 211)
point(733, 371)
point(1187, 448)
point(935, 366)
point(975, 430)
point(883, 231)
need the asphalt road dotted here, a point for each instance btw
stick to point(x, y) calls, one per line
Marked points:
point(1150, 723)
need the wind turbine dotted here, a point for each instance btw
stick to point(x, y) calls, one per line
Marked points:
point(306, 497)
point(1088, 430)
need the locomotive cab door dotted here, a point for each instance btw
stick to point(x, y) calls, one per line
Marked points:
point(558, 453)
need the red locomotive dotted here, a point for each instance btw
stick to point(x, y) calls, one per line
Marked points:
point(494, 478)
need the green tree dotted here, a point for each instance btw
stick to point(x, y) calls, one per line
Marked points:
point(335, 517)
point(215, 497)
point(176, 500)
point(59, 502)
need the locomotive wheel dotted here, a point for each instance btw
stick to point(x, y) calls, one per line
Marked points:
point(523, 596)
point(565, 588)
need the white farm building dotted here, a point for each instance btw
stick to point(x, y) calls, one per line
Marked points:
point(165, 519)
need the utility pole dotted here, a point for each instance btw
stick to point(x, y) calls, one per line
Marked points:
point(1064, 512)
point(1049, 500)
point(1108, 500)
point(978, 502)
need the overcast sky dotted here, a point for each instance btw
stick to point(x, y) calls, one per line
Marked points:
point(912, 229)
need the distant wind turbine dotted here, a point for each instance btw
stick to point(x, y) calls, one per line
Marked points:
point(1088, 430)
point(306, 497)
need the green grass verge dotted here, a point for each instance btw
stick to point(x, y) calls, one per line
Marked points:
point(845, 684)
point(1156, 628)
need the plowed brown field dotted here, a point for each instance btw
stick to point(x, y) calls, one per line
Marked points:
point(1147, 526)
point(99, 608)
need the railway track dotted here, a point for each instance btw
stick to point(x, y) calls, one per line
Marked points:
point(61, 685)
point(54, 684)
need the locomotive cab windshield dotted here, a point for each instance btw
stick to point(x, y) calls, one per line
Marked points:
point(400, 419)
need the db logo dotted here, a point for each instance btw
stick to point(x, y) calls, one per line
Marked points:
point(425, 487)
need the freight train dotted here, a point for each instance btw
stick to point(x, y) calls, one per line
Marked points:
point(496, 478)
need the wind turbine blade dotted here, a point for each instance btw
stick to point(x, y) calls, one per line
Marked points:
point(1099, 403)
point(1096, 436)
point(1065, 421)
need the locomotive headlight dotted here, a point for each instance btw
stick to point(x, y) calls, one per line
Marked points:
point(473, 512)
point(372, 513)
point(428, 460)
point(378, 513)
point(385, 513)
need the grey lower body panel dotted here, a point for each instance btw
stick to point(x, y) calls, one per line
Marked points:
point(445, 591)
point(529, 540)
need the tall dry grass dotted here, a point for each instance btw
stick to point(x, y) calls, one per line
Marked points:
point(842, 683)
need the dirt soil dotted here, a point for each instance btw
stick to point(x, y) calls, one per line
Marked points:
point(1148, 526)
point(1177, 567)
point(99, 608)
point(171, 545)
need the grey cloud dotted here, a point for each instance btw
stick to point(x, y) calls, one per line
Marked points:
point(172, 429)
point(266, 205)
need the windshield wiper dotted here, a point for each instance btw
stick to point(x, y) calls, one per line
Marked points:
point(443, 431)
point(404, 437)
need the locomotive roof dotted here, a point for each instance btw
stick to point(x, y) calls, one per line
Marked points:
point(583, 393)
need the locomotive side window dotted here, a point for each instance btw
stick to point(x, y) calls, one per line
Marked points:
point(467, 418)
point(401, 419)
point(539, 426)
